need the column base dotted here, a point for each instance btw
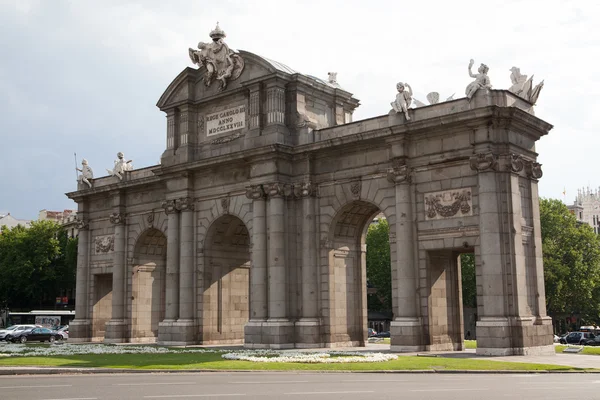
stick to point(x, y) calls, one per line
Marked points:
point(115, 331)
point(80, 331)
point(406, 335)
point(308, 333)
point(177, 332)
point(270, 334)
point(515, 336)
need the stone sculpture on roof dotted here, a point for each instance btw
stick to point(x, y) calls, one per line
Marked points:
point(221, 63)
point(482, 81)
point(121, 166)
point(403, 99)
point(523, 87)
point(86, 173)
point(432, 98)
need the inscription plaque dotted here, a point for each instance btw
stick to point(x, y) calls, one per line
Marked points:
point(225, 121)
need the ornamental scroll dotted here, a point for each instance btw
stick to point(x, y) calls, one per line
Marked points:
point(448, 204)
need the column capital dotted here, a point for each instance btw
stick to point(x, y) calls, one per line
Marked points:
point(82, 224)
point(482, 162)
point(117, 218)
point(399, 173)
point(169, 206)
point(184, 204)
point(305, 189)
point(255, 192)
point(533, 169)
point(274, 190)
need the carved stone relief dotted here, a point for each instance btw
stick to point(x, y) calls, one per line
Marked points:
point(116, 218)
point(185, 204)
point(483, 162)
point(225, 205)
point(169, 206)
point(355, 189)
point(399, 173)
point(533, 169)
point(448, 204)
point(104, 244)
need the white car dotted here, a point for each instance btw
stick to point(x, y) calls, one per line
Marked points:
point(12, 329)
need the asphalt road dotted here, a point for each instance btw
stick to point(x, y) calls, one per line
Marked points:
point(296, 386)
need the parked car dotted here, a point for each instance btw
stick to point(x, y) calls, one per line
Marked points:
point(13, 328)
point(63, 331)
point(34, 335)
point(593, 342)
point(577, 338)
point(383, 334)
point(372, 332)
point(556, 339)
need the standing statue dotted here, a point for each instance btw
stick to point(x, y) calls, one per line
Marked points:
point(221, 63)
point(86, 173)
point(121, 166)
point(403, 99)
point(523, 87)
point(482, 81)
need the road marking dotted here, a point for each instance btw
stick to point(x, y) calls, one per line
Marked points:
point(76, 398)
point(264, 383)
point(341, 392)
point(157, 383)
point(446, 390)
point(36, 386)
point(172, 396)
point(376, 380)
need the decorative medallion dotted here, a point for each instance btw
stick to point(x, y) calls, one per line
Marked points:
point(534, 170)
point(355, 189)
point(255, 192)
point(399, 173)
point(221, 63)
point(516, 162)
point(104, 244)
point(484, 161)
point(447, 204)
point(117, 218)
point(225, 205)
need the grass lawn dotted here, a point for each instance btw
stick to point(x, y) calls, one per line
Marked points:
point(213, 361)
point(586, 349)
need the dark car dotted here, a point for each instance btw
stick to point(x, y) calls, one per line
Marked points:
point(34, 335)
point(383, 334)
point(577, 338)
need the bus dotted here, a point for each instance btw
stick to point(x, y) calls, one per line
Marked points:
point(45, 318)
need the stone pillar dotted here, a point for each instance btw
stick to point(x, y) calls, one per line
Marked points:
point(506, 327)
point(254, 108)
point(406, 329)
point(79, 328)
point(115, 328)
point(172, 277)
point(186, 332)
point(275, 105)
point(308, 328)
point(254, 331)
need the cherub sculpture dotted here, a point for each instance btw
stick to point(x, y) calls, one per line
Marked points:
point(403, 99)
point(86, 173)
point(121, 166)
point(482, 81)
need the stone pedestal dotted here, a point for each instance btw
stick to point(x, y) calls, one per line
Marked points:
point(406, 335)
point(115, 332)
point(271, 334)
point(308, 334)
point(80, 331)
point(514, 336)
point(177, 333)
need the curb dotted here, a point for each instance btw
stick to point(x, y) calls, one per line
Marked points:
point(90, 371)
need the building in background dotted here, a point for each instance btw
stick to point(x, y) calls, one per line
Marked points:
point(586, 207)
point(66, 218)
point(10, 222)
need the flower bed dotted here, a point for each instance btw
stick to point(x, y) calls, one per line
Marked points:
point(269, 356)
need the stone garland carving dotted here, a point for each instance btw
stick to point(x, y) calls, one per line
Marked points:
point(399, 174)
point(169, 206)
point(117, 218)
point(200, 123)
point(104, 244)
point(255, 192)
point(483, 161)
point(227, 139)
point(221, 63)
point(225, 205)
point(448, 203)
point(184, 204)
point(355, 189)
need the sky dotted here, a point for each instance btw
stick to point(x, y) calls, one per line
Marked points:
point(84, 76)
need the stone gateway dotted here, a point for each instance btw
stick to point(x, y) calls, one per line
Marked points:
point(252, 228)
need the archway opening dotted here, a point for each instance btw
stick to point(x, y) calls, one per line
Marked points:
point(226, 277)
point(148, 286)
point(347, 266)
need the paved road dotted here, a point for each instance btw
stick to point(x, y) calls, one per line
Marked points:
point(297, 386)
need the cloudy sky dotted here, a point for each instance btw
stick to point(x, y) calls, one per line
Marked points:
point(84, 76)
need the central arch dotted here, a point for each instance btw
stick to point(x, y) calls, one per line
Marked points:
point(347, 268)
point(226, 281)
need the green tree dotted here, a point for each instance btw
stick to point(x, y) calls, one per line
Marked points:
point(571, 254)
point(467, 271)
point(35, 264)
point(379, 273)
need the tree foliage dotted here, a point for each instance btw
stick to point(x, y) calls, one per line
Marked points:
point(467, 272)
point(379, 275)
point(36, 263)
point(571, 263)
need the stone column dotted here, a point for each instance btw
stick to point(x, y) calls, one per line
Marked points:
point(115, 328)
point(186, 275)
point(79, 330)
point(276, 259)
point(172, 276)
point(406, 328)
